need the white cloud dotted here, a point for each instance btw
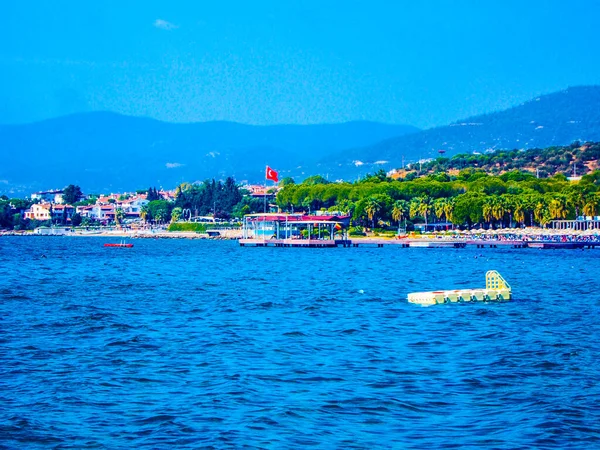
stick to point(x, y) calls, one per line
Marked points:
point(165, 25)
point(173, 165)
point(3, 181)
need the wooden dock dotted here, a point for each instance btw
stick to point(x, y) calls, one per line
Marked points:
point(563, 245)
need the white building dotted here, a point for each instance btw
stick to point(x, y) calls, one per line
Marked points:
point(55, 196)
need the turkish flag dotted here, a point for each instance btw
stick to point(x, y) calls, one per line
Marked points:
point(271, 175)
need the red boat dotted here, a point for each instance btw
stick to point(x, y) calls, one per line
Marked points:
point(119, 245)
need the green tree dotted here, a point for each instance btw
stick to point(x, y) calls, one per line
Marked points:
point(6, 220)
point(119, 216)
point(176, 214)
point(439, 208)
point(591, 204)
point(557, 207)
point(144, 213)
point(159, 210)
point(400, 210)
point(71, 194)
point(153, 195)
point(76, 220)
point(540, 210)
point(487, 209)
point(286, 181)
point(372, 207)
point(315, 179)
point(468, 209)
point(420, 206)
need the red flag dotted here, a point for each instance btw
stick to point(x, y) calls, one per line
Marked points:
point(271, 175)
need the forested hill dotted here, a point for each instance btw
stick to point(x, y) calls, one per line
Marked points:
point(550, 120)
point(104, 152)
point(577, 158)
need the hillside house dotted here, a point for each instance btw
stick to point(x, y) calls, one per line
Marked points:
point(53, 196)
point(47, 211)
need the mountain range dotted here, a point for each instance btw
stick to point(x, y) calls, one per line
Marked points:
point(105, 151)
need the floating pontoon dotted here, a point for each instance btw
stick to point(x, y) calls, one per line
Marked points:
point(496, 289)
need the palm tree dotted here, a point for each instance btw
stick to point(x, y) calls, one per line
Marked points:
point(399, 210)
point(119, 216)
point(160, 216)
point(372, 208)
point(519, 210)
point(144, 213)
point(439, 208)
point(539, 210)
point(576, 198)
point(413, 208)
point(498, 208)
point(449, 209)
point(424, 208)
point(591, 204)
point(509, 202)
point(529, 205)
point(487, 209)
point(420, 206)
point(557, 207)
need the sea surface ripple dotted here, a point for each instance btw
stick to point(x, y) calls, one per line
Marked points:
point(203, 344)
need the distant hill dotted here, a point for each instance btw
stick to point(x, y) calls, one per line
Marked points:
point(550, 120)
point(105, 152)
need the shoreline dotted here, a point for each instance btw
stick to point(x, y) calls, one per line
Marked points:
point(125, 235)
point(523, 234)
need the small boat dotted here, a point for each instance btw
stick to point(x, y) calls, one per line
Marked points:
point(121, 245)
point(496, 289)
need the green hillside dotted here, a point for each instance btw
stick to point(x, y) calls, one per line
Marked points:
point(576, 159)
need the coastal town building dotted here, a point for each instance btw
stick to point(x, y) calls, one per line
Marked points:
point(39, 211)
point(106, 207)
point(52, 196)
point(49, 211)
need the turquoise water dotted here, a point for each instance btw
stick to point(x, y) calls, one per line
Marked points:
point(190, 344)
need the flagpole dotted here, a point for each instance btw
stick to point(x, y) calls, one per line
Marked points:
point(265, 191)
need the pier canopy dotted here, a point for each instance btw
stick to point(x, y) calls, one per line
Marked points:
point(293, 226)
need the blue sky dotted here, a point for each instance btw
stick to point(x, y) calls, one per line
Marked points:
point(423, 63)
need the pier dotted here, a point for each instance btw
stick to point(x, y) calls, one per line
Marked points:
point(303, 231)
point(413, 243)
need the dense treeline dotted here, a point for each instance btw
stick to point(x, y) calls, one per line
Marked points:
point(221, 199)
point(470, 198)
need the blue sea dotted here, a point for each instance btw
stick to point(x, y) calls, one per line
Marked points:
point(203, 344)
